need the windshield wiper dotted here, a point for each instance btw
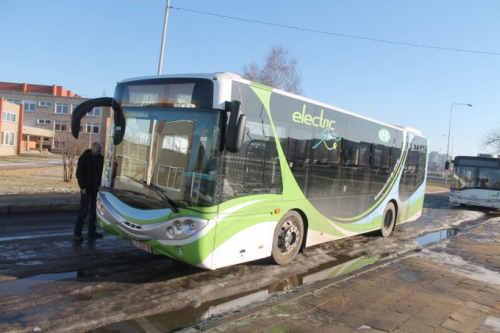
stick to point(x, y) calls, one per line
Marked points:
point(160, 192)
point(119, 190)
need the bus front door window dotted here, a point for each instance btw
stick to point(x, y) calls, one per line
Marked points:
point(206, 162)
point(172, 156)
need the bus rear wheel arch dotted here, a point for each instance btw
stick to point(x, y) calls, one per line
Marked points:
point(288, 238)
point(388, 220)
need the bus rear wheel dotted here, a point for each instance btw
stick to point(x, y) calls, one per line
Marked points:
point(288, 237)
point(389, 219)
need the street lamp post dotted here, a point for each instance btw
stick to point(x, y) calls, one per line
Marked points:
point(449, 131)
point(451, 152)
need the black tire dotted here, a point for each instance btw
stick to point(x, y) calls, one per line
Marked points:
point(288, 237)
point(388, 220)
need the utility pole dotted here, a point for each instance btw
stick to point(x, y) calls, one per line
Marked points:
point(448, 159)
point(163, 37)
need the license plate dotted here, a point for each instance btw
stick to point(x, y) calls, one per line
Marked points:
point(142, 246)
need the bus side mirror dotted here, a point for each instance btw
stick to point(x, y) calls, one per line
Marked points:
point(235, 128)
point(120, 123)
point(82, 109)
point(447, 165)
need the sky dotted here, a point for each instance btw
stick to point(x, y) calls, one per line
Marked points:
point(409, 63)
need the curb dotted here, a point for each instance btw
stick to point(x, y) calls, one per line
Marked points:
point(38, 207)
point(39, 202)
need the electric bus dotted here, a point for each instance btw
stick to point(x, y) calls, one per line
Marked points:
point(215, 170)
point(476, 181)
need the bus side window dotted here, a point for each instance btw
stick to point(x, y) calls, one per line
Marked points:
point(377, 156)
point(262, 166)
point(255, 161)
point(350, 152)
point(364, 154)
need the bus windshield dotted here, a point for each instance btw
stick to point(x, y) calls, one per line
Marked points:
point(166, 155)
point(476, 173)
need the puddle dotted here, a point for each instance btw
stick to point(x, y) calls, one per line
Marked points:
point(23, 285)
point(179, 319)
point(188, 317)
point(42, 235)
point(22, 318)
point(436, 236)
point(29, 263)
point(345, 265)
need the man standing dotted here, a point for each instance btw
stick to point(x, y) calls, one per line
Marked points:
point(88, 173)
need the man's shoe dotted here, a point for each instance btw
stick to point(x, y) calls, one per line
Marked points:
point(95, 235)
point(77, 238)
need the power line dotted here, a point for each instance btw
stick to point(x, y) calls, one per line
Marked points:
point(334, 33)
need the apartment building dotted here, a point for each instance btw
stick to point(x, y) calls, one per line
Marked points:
point(45, 115)
point(10, 127)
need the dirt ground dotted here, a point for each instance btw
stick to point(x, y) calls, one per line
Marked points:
point(20, 174)
point(36, 180)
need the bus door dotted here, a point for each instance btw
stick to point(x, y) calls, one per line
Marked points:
point(174, 145)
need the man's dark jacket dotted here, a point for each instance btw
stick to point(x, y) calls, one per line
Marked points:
point(89, 170)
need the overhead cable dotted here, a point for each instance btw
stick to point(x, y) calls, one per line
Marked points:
point(377, 40)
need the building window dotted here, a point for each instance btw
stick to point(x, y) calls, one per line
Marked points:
point(9, 117)
point(15, 101)
point(44, 121)
point(29, 106)
point(45, 104)
point(73, 107)
point(59, 144)
point(92, 128)
point(61, 125)
point(8, 138)
point(96, 112)
point(62, 108)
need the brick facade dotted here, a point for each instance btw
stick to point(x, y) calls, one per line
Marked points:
point(48, 109)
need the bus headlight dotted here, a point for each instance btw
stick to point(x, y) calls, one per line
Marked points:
point(184, 227)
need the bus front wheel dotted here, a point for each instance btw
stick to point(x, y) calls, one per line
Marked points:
point(389, 219)
point(288, 237)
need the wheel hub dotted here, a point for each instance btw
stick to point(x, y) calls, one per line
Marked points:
point(289, 238)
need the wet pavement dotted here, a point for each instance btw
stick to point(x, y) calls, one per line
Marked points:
point(451, 286)
point(450, 283)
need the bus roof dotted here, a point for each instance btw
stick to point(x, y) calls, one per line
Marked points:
point(236, 77)
point(487, 155)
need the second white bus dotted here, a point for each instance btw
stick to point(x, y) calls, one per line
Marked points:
point(476, 181)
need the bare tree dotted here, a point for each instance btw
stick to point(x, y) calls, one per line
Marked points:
point(492, 139)
point(252, 72)
point(279, 71)
point(71, 148)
